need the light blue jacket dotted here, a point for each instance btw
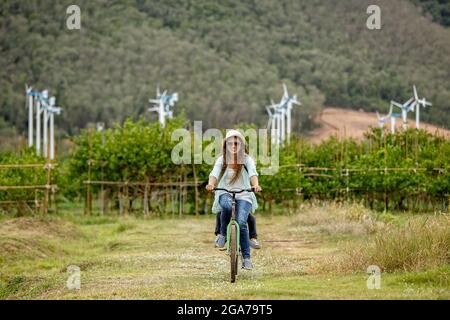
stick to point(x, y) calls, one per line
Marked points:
point(251, 167)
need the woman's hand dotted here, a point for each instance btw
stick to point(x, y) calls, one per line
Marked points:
point(212, 182)
point(257, 188)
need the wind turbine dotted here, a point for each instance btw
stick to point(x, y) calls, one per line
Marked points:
point(286, 103)
point(163, 103)
point(29, 104)
point(278, 116)
point(45, 105)
point(52, 110)
point(419, 102)
point(40, 99)
point(170, 100)
point(405, 107)
point(272, 124)
point(393, 116)
point(159, 108)
point(382, 120)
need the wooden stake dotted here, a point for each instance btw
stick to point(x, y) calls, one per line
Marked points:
point(195, 190)
point(126, 200)
point(88, 207)
point(47, 187)
point(146, 197)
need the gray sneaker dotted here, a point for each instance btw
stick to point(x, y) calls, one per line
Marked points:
point(220, 241)
point(255, 244)
point(247, 264)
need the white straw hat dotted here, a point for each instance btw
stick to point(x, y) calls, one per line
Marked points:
point(234, 133)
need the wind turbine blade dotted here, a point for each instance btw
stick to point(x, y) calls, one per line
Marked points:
point(413, 108)
point(396, 104)
point(285, 93)
point(416, 97)
point(390, 110)
point(424, 102)
point(408, 102)
point(272, 104)
point(295, 100)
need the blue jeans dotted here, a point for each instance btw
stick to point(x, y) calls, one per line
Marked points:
point(251, 222)
point(243, 209)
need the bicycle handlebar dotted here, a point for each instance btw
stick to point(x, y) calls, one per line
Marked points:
point(234, 191)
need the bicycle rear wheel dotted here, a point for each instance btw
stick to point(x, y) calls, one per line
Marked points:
point(233, 252)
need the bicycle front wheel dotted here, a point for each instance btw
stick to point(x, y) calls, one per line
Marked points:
point(233, 252)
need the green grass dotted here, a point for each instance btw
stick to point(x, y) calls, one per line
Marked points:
point(144, 258)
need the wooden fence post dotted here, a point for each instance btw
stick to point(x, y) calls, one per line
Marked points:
point(195, 190)
point(126, 199)
point(105, 209)
point(47, 186)
point(146, 196)
point(88, 205)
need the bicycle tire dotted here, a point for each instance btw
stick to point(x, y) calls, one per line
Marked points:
point(233, 253)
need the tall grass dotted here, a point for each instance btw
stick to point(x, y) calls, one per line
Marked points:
point(335, 219)
point(420, 244)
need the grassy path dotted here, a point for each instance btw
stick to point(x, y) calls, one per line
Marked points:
point(175, 259)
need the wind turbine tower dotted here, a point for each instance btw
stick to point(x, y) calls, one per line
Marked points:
point(52, 110)
point(405, 108)
point(418, 102)
point(163, 104)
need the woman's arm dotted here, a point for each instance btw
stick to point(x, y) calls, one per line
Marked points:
point(213, 176)
point(255, 183)
point(251, 166)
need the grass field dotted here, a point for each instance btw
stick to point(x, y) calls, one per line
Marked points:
point(165, 258)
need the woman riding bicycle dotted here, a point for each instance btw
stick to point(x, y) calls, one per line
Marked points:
point(235, 169)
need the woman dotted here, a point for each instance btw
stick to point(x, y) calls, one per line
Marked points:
point(235, 169)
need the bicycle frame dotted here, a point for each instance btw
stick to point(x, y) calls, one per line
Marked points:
point(233, 221)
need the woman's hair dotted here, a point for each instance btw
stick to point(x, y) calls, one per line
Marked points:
point(237, 158)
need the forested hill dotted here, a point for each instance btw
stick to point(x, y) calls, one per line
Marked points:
point(225, 58)
point(439, 10)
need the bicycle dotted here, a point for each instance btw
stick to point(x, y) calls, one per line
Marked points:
point(233, 241)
